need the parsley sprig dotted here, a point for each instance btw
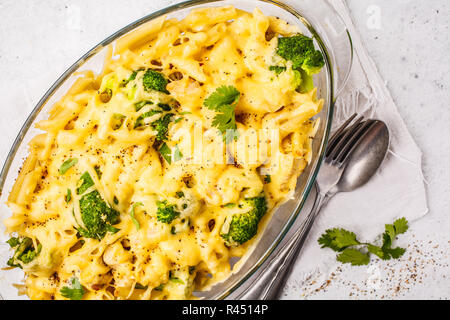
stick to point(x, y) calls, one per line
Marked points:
point(224, 100)
point(351, 249)
point(75, 292)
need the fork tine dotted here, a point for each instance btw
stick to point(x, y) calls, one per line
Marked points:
point(334, 138)
point(353, 141)
point(341, 140)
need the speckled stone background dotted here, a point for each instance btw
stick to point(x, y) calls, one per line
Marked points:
point(408, 39)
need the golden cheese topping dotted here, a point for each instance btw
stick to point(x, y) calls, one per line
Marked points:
point(130, 190)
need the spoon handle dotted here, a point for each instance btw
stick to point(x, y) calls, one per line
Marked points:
point(270, 281)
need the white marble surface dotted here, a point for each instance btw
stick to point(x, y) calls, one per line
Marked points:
point(408, 39)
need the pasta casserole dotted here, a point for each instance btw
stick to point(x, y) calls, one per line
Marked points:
point(146, 179)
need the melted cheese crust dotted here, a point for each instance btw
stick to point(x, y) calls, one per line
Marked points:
point(209, 48)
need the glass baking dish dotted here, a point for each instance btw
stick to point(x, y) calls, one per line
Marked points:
point(314, 17)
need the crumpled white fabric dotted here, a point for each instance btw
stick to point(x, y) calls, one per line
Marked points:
point(397, 190)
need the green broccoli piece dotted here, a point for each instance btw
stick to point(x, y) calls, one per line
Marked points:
point(162, 126)
point(307, 83)
point(313, 63)
point(97, 216)
point(154, 80)
point(300, 50)
point(244, 226)
point(25, 251)
point(166, 212)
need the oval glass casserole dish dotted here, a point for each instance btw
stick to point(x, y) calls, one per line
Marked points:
point(171, 159)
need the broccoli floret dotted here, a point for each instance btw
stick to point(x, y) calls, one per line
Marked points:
point(97, 216)
point(162, 126)
point(244, 226)
point(25, 251)
point(300, 50)
point(166, 212)
point(307, 83)
point(154, 80)
point(313, 63)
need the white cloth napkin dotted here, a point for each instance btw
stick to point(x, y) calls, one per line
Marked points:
point(397, 190)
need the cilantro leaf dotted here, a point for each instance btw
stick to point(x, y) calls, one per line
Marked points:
point(177, 155)
point(86, 182)
point(133, 218)
point(343, 241)
point(338, 239)
point(378, 252)
point(401, 225)
point(75, 292)
point(224, 95)
point(67, 165)
point(353, 256)
point(224, 101)
point(68, 196)
point(166, 153)
point(395, 253)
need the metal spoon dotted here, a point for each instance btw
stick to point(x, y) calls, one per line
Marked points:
point(362, 163)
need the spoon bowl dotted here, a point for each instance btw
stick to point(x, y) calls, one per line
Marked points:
point(365, 158)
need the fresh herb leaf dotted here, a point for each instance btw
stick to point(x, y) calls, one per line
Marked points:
point(338, 239)
point(67, 165)
point(353, 256)
point(267, 179)
point(85, 183)
point(75, 292)
point(133, 218)
point(166, 153)
point(224, 100)
point(68, 196)
point(177, 155)
point(344, 241)
point(224, 95)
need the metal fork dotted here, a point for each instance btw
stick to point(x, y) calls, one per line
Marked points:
point(271, 280)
